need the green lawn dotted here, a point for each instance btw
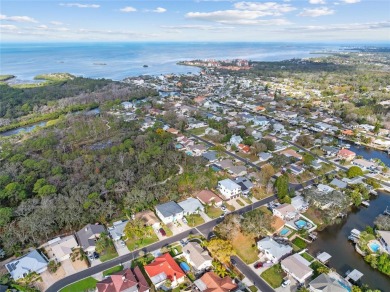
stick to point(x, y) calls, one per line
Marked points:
point(84, 285)
point(252, 288)
point(141, 261)
point(307, 257)
point(299, 242)
point(135, 244)
point(241, 203)
point(112, 270)
point(109, 253)
point(246, 200)
point(198, 131)
point(213, 212)
point(168, 231)
point(274, 276)
point(230, 207)
point(194, 220)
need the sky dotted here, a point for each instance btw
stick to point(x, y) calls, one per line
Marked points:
point(195, 20)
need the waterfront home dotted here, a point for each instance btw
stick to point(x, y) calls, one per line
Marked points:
point(235, 140)
point(60, 249)
point(299, 203)
point(88, 236)
point(324, 257)
point(384, 238)
point(285, 211)
point(364, 164)
point(33, 262)
point(164, 268)
point(229, 189)
point(169, 212)
point(245, 184)
point(149, 218)
point(207, 197)
point(338, 183)
point(191, 206)
point(291, 153)
point(325, 188)
point(298, 267)
point(117, 229)
point(197, 257)
point(123, 281)
point(346, 154)
point(210, 282)
point(273, 250)
point(325, 283)
point(329, 150)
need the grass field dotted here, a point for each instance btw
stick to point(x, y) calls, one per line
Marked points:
point(274, 276)
point(230, 207)
point(194, 220)
point(84, 285)
point(214, 212)
point(198, 131)
point(245, 248)
point(109, 253)
point(135, 244)
point(307, 257)
point(112, 270)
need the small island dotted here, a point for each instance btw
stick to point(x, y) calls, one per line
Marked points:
point(55, 77)
point(145, 66)
point(6, 77)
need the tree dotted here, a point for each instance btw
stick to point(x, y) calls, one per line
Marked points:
point(308, 159)
point(229, 227)
point(323, 270)
point(382, 222)
point(257, 222)
point(354, 171)
point(377, 127)
point(281, 185)
point(221, 249)
point(305, 141)
point(356, 197)
point(5, 216)
point(268, 143)
point(267, 171)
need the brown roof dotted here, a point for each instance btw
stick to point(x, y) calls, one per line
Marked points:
point(208, 197)
point(291, 152)
point(217, 284)
point(148, 217)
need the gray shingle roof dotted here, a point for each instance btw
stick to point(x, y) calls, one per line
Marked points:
point(86, 236)
point(169, 209)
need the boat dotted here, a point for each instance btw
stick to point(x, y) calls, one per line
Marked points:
point(355, 233)
point(365, 203)
point(387, 211)
point(145, 66)
point(353, 239)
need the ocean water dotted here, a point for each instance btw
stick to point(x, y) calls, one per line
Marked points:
point(120, 60)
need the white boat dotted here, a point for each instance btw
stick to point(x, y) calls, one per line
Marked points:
point(366, 203)
point(355, 233)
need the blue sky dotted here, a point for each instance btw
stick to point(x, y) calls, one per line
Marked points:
point(196, 20)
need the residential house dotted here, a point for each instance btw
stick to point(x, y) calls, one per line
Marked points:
point(384, 238)
point(296, 169)
point(278, 127)
point(164, 268)
point(191, 206)
point(117, 229)
point(226, 163)
point(364, 164)
point(297, 267)
point(173, 131)
point(149, 219)
point(169, 212)
point(347, 132)
point(88, 236)
point(127, 105)
point(325, 188)
point(245, 184)
point(329, 150)
point(338, 183)
point(197, 257)
point(346, 154)
point(273, 250)
point(211, 131)
point(285, 211)
point(244, 148)
point(207, 197)
point(261, 121)
point(197, 149)
point(210, 156)
point(299, 203)
point(235, 140)
point(291, 153)
point(237, 170)
point(210, 282)
point(325, 283)
point(264, 156)
point(124, 281)
point(29, 263)
point(61, 248)
point(316, 164)
point(229, 189)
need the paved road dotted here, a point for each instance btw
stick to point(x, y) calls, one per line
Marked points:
point(204, 229)
point(252, 276)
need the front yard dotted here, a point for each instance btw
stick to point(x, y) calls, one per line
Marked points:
point(88, 284)
point(274, 276)
point(112, 270)
point(213, 212)
point(245, 248)
point(133, 244)
point(194, 220)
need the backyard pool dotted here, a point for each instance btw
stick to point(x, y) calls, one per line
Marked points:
point(184, 267)
point(178, 146)
point(374, 245)
point(284, 231)
point(189, 153)
point(301, 223)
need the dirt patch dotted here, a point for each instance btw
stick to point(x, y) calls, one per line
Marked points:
point(49, 279)
point(79, 265)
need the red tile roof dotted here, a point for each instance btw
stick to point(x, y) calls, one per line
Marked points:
point(244, 148)
point(166, 264)
point(123, 280)
point(217, 284)
point(208, 197)
point(346, 153)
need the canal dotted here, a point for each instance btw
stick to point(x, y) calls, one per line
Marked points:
point(334, 239)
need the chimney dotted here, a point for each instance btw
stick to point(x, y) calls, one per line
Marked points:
point(174, 278)
point(123, 278)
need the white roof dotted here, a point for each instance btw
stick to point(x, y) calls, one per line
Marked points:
point(63, 246)
point(229, 184)
point(324, 257)
point(385, 236)
point(191, 205)
point(31, 262)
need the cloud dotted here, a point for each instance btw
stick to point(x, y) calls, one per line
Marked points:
point(316, 12)
point(368, 26)
point(17, 18)
point(79, 5)
point(8, 27)
point(56, 23)
point(159, 10)
point(350, 1)
point(128, 9)
point(197, 27)
point(317, 1)
point(273, 8)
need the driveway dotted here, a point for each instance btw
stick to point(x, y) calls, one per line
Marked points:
point(122, 250)
point(289, 288)
point(68, 267)
point(178, 227)
point(205, 217)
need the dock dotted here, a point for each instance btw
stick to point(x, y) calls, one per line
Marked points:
point(355, 276)
point(386, 212)
point(365, 203)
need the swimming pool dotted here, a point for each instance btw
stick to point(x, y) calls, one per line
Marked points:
point(189, 153)
point(284, 231)
point(345, 286)
point(178, 146)
point(184, 267)
point(301, 223)
point(374, 245)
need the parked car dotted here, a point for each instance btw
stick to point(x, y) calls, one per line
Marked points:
point(122, 243)
point(258, 265)
point(95, 255)
point(233, 261)
point(162, 232)
point(185, 220)
point(286, 283)
point(90, 257)
point(211, 235)
point(223, 208)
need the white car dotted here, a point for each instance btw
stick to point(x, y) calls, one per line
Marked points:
point(185, 220)
point(122, 243)
point(286, 283)
point(223, 208)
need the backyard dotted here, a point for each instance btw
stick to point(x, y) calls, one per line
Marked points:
point(274, 276)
